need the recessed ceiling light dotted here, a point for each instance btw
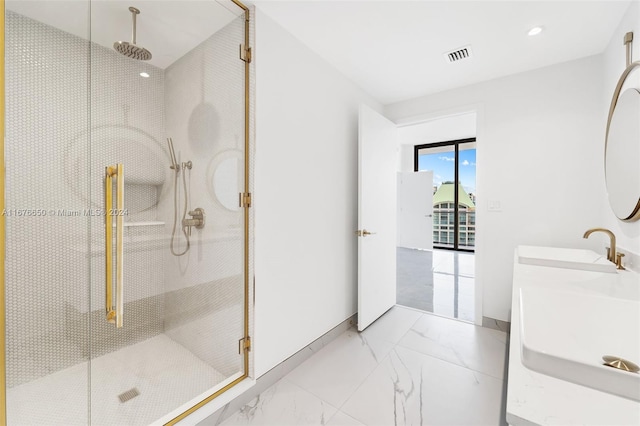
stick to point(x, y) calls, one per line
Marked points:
point(144, 74)
point(535, 31)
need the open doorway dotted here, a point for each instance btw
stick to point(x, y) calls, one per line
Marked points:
point(438, 277)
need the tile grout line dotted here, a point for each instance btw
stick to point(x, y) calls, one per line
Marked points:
point(362, 383)
point(449, 362)
point(441, 359)
point(395, 344)
point(338, 409)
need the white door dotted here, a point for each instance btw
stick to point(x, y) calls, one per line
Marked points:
point(415, 210)
point(377, 166)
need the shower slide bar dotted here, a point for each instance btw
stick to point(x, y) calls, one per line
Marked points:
point(114, 313)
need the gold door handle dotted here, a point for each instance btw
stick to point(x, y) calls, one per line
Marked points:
point(114, 313)
point(364, 233)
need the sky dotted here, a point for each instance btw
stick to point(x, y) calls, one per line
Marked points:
point(442, 164)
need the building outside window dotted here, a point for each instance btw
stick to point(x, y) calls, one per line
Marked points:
point(443, 210)
point(453, 164)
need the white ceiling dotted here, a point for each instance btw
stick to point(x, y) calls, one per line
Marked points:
point(394, 49)
point(167, 28)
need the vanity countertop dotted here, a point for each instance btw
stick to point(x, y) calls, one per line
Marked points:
point(537, 399)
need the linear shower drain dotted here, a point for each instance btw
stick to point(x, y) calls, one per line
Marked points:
point(130, 394)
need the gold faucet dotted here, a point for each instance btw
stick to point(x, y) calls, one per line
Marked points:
point(611, 252)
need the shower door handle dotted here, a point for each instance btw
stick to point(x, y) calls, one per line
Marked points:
point(114, 313)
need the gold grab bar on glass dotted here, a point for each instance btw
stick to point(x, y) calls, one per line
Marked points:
point(114, 313)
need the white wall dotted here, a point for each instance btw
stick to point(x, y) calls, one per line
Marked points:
point(305, 197)
point(627, 233)
point(539, 154)
point(458, 126)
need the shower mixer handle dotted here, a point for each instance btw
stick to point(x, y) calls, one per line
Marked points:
point(198, 214)
point(197, 219)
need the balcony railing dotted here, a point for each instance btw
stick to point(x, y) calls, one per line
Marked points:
point(443, 228)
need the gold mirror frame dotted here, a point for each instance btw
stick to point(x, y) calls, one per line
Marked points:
point(3, 381)
point(635, 213)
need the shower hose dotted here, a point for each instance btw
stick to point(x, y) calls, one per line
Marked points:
point(175, 211)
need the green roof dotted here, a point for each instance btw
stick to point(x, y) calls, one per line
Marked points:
point(445, 194)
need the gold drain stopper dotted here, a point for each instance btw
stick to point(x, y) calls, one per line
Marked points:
point(620, 364)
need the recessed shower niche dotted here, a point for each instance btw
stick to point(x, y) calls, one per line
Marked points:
point(146, 177)
point(97, 304)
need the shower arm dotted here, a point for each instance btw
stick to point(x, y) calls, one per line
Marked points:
point(134, 12)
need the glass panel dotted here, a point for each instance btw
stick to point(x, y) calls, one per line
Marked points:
point(183, 267)
point(467, 191)
point(440, 160)
point(76, 106)
point(47, 267)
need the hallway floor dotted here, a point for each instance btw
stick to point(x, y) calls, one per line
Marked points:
point(407, 368)
point(438, 281)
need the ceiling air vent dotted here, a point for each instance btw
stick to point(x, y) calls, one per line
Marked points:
point(458, 54)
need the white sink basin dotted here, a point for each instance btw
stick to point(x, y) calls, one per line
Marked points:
point(585, 260)
point(565, 334)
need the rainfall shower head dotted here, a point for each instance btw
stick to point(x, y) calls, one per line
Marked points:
point(132, 50)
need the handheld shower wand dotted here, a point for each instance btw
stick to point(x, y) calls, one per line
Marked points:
point(197, 216)
point(176, 167)
point(174, 163)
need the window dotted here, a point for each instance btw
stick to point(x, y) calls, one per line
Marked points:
point(454, 167)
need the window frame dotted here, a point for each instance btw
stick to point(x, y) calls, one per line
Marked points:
point(456, 210)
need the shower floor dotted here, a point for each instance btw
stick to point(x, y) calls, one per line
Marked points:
point(165, 374)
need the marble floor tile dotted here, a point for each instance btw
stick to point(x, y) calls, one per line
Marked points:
point(392, 325)
point(410, 388)
point(461, 313)
point(453, 262)
point(336, 370)
point(341, 419)
point(444, 309)
point(466, 264)
point(433, 383)
point(283, 404)
point(436, 281)
point(480, 349)
point(454, 284)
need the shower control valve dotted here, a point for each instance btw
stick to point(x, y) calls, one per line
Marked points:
point(197, 219)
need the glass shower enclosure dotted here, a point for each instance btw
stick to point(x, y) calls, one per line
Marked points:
point(126, 208)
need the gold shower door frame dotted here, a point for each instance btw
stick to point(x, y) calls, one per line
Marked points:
point(245, 204)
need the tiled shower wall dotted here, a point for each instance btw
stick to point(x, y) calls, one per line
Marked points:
point(68, 117)
point(204, 106)
point(57, 136)
point(43, 115)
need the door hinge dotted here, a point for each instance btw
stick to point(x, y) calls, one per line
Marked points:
point(245, 199)
point(244, 344)
point(245, 53)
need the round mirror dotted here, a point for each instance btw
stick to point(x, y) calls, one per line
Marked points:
point(224, 178)
point(622, 157)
